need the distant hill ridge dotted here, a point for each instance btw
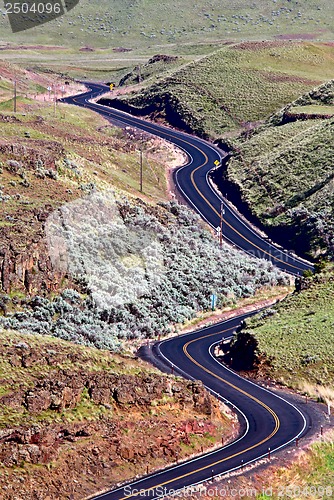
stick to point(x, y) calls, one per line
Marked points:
point(141, 23)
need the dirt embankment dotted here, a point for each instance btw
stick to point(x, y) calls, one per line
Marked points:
point(46, 162)
point(76, 420)
point(24, 261)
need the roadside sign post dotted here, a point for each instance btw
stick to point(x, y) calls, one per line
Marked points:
point(54, 100)
point(213, 298)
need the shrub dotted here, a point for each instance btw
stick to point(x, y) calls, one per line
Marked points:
point(143, 269)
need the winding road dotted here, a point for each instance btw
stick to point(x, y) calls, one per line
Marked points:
point(268, 421)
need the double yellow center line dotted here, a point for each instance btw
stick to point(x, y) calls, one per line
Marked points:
point(272, 257)
point(158, 486)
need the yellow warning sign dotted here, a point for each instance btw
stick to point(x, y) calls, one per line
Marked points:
point(216, 162)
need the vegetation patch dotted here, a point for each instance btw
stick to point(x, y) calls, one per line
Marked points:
point(233, 87)
point(283, 171)
point(78, 419)
point(190, 267)
point(143, 24)
point(292, 342)
point(155, 66)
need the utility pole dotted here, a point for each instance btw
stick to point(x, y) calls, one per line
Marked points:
point(14, 96)
point(222, 212)
point(141, 171)
point(54, 99)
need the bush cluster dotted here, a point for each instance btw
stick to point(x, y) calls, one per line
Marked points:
point(189, 264)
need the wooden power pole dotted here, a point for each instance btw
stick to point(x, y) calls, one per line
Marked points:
point(221, 223)
point(141, 171)
point(14, 96)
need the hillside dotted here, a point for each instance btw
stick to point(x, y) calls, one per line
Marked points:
point(233, 88)
point(76, 420)
point(140, 23)
point(293, 341)
point(87, 258)
point(29, 82)
point(70, 164)
point(49, 160)
point(283, 171)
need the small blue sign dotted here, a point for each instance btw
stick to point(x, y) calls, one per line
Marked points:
point(213, 301)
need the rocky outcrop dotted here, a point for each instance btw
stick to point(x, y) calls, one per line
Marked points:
point(89, 419)
point(28, 164)
point(38, 445)
point(28, 270)
point(63, 389)
point(30, 154)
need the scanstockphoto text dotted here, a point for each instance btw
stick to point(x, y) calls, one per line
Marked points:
point(226, 491)
point(27, 14)
point(189, 491)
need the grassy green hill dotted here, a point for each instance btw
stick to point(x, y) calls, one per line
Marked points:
point(293, 342)
point(280, 167)
point(148, 22)
point(234, 87)
point(284, 170)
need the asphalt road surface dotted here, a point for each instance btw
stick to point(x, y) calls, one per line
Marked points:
point(192, 182)
point(268, 422)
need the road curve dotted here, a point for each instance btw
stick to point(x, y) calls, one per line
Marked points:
point(268, 421)
point(192, 181)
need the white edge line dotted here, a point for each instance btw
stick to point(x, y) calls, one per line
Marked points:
point(235, 213)
point(215, 150)
point(219, 396)
point(262, 388)
point(282, 251)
